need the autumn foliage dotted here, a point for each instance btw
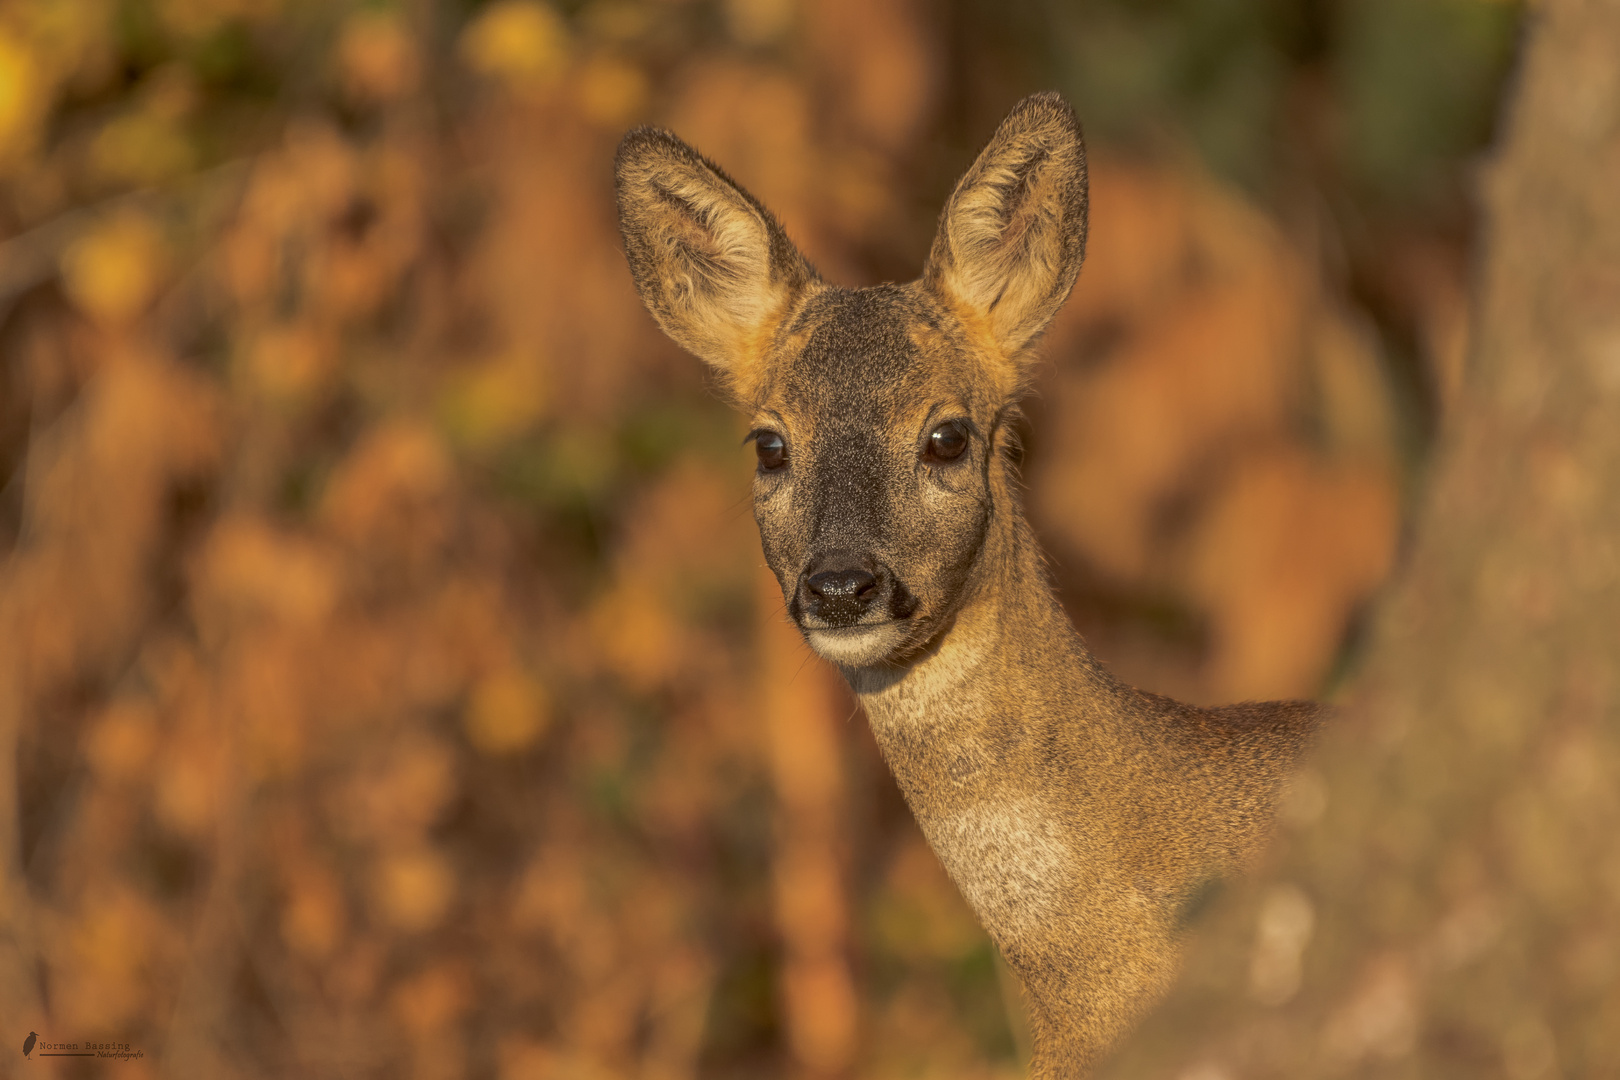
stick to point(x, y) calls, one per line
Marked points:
point(390, 683)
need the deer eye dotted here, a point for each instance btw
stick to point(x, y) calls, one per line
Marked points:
point(947, 442)
point(771, 449)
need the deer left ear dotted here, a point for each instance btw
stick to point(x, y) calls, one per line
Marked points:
point(712, 265)
point(1013, 235)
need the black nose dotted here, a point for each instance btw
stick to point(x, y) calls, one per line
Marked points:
point(849, 584)
point(839, 591)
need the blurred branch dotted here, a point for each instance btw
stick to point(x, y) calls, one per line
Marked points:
point(32, 258)
point(19, 953)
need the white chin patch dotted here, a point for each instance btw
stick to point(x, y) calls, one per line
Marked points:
point(857, 646)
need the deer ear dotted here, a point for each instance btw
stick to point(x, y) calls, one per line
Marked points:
point(712, 265)
point(1013, 235)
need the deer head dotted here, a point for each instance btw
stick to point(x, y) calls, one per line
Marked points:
point(880, 416)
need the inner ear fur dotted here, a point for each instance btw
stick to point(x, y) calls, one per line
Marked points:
point(713, 266)
point(1013, 234)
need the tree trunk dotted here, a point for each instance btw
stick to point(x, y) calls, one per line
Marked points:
point(1444, 896)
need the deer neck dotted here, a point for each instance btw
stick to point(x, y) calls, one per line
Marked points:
point(970, 717)
point(1011, 745)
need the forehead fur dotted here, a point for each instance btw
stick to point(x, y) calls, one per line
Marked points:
point(888, 348)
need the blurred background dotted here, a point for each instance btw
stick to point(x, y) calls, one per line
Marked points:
point(390, 684)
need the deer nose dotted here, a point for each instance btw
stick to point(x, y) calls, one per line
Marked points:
point(850, 584)
point(838, 591)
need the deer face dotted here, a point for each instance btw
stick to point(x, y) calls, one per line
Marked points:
point(876, 441)
point(878, 415)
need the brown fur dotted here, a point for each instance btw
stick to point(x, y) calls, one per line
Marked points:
point(1079, 817)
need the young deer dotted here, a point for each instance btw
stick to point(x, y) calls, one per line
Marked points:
point(1080, 817)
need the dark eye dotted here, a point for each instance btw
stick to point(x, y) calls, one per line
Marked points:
point(771, 449)
point(946, 442)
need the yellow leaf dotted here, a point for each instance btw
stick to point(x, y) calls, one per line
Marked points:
point(23, 99)
point(429, 1002)
point(497, 401)
point(377, 57)
point(143, 147)
point(507, 713)
point(249, 568)
point(636, 635)
point(612, 91)
point(519, 43)
point(312, 922)
point(120, 746)
point(759, 22)
point(197, 19)
point(289, 362)
point(524, 1059)
point(112, 272)
point(413, 889)
point(188, 787)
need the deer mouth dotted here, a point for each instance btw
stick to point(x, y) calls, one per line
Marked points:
point(861, 645)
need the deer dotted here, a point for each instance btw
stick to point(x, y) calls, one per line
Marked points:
point(1083, 820)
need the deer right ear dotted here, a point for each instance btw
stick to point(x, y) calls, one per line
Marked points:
point(1013, 235)
point(712, 265)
